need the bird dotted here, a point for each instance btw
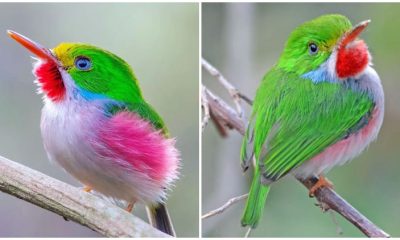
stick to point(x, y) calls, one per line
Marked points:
point(318, 107)
point(96, 124)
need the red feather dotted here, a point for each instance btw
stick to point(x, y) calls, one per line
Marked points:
point(352, 59)
point(50, 80)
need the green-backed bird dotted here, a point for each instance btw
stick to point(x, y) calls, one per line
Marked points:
point(98, 127)
point(319, 106)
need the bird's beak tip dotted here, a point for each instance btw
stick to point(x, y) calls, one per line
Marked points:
point(33, 47)
point(354, 32)
point(364, 23)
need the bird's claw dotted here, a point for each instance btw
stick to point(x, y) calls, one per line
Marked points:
point(87, 189)
point(322, 182)
point(130, 206)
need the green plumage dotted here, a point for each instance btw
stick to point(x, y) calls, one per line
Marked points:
point(294, 119)
point(255, 202)
point(324, 31)
point(102, 79)
point(145, 111)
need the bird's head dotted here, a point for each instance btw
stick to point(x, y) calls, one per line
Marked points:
point(76, 70)
point(328, 47)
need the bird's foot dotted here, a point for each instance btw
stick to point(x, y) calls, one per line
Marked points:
point(130, 206)
point(87, 189)
point(322, 182)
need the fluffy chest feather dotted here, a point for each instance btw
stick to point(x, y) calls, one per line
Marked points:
point(67, 131)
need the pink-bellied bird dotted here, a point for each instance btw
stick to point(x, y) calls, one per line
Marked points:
point(318, 107)
point(96, 125)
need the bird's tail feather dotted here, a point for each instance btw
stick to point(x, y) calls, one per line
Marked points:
point(159, 218)
point(255, 202)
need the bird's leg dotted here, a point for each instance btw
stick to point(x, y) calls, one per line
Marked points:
point(130, 206)
point(87, 189)
point(322, 182)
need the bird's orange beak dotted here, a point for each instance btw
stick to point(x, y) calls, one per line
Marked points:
point(41, 52)
point(354, 33)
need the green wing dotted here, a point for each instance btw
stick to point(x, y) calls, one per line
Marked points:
point(147, 112)
point(144, 110)
point(294, 120)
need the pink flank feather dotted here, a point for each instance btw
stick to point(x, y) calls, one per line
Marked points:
point(128, 137)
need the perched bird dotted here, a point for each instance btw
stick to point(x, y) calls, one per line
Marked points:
point(96, 125)
point(318, 107)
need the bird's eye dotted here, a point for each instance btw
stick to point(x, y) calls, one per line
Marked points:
point(83, 63)
point(312, 48)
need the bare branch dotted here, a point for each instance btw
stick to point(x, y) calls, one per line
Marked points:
point(219, 125)
point(224, 112)
point(325, 196)
point(248, 233)
point(221, 209)
point(336, 203)
point(233, 92)
point(206, 109)
point(245, 98)
point(71, 203)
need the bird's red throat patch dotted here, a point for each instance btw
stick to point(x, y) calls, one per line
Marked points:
point(50, 80)
point(352, 59)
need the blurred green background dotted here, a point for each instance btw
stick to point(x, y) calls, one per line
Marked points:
point(160, 42)
point(244, 41)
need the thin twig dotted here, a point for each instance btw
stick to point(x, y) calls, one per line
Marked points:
point(339, 229)
point(224, 112)
point(219, 125)
point(324, 195)
point(233, 92)
point(206, 109)
point(247, 234)
point(218, 122)
point(221, 209)
point(71, 202)
point(245, 98)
